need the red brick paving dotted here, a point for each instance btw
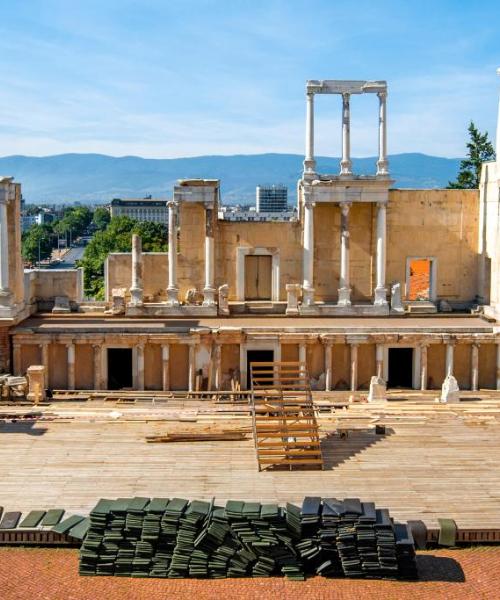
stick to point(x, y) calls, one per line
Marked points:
point(52, 574)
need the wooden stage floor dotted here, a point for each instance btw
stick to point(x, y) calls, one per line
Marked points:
point(434, 461)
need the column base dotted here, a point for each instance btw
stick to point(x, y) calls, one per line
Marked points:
point(136, 297)
point(382, 168)
point(208, 296)
point(344, 297)
point(380, 297)
point(172, 297)
point(308, 297)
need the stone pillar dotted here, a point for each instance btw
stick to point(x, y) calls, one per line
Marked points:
point(36, 383)
point(191, 367)
point(498, 366)
point(379, 360)
point(165, 367)
point(344, 290)
point(423, 367)
point(449, 359)
point(5, 292)
point(98, 383)
point(218, 366)
point(380, 289)
point(474, 368)
point(303, 353)
point(354, 367)
point(16, 359)
point(71, 366)
point(172, 289)
point(209, 289)
point(345, 163)
point(328, 366)
point(382, 163)
point(308, 252)
point(292, 298)
point(139, 353)
point(309, 162)
point(44, 353)
point(136, 291)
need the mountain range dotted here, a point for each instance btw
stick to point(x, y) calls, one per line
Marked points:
point(99, 178)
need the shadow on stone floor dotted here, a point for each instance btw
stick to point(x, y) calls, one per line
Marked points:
point(439, 568)
point(337, 450)
point(25, 426)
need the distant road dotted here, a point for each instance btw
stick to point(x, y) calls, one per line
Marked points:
point(70, 258)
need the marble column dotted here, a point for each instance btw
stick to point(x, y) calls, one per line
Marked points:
point(165, 367)
point(136, 290)
point(309, 162)
point(98, 383)
point(71, 366)
point(344, 290)
point(218, 366)
point(172, 289)
point(209, 289)
point(474, 368)
point(191, 367)
point(345, 163)
point(354, 367)
point(5, 292)
point(328, 367)
point(449, 359)
point(44, 353)
point(139, 353)
point(308, 252)
point(382, 163)
point(379, 360)
point(303, 353)
point(380, 289)
point(423, 367)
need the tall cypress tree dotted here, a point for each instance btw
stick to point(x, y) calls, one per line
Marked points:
point(479, 150)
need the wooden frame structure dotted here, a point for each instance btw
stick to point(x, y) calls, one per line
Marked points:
point(284, 422)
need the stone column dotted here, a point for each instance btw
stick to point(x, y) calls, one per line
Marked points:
point(344, 290)
point(209, 289)
point(382, 163)
point(380, 289)
point(71, 366)
point(309, 162)
point(379, 360)
point(218, 366)
point(44, 353)
point(5, 292)
point(16, 359)
point(303, 353)
point(449, 359)
point(354, 367)
point(474, 368)
point(172, 289)
point(165, 367)
point(191, 367)
point(308, 251)
point(423, 367)
point(328, 366)
point(345, 163)
point(98, 383)
point(139, 352)
point(136, 291)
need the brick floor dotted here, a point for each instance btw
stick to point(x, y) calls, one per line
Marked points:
point(51, 574)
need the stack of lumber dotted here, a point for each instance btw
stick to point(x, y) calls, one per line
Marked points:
point(284, 420)
point(175, 538)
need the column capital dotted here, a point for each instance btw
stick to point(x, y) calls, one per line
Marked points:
point(382, 95)
point(172, 203)
point(345, 207)
point(382, 203)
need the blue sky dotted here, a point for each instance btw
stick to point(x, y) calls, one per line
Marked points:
point(171, 78)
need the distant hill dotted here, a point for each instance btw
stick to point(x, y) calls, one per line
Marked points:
point(97, 177)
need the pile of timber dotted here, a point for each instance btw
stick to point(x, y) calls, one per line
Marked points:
point(197, 436)
point(175, 538)
point(284, 420)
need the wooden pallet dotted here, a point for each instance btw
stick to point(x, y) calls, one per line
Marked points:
point(283, 415)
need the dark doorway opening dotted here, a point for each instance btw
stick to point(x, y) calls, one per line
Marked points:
point(400, 368)
point(119, 368)
point(258, 356)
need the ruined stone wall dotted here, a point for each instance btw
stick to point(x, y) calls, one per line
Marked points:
point(191, 250)
point(155, 274)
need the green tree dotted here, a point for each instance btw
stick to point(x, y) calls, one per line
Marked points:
point(74, 222)
point(37, 243)
point(117, 237)
point(101, 218)
point(479, 150)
